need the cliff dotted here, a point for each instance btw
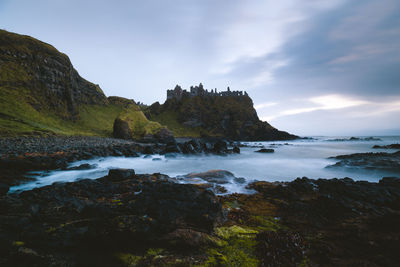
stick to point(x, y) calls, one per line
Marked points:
point(42, 93)
point(203, 113)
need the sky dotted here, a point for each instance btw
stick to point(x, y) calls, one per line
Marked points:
point(311, 67)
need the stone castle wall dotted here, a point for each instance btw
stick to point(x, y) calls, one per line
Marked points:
point(178, 93)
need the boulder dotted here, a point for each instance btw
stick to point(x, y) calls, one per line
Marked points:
point(213, 176)
point(148, 150)
point(85, 166)
point(164, 136)
point(236, 150)
point(220, 146)
point(121, 129)
point(172, 147)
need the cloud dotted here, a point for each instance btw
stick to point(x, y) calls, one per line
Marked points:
point(325, 102)
point(315, 58)
point(265, 105)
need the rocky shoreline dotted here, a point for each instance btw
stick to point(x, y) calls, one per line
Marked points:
point(127, 219)
point(23, 154)
point(124, 219)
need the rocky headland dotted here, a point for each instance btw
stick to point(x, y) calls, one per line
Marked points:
point(201, 112)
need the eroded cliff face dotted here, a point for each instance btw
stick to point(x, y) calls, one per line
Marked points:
point(227, 116)
point(48, 74)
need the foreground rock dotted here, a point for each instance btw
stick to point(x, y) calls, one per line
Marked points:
point(336, 222)
point(125, 219)
point(67, 224)
point(389, 162)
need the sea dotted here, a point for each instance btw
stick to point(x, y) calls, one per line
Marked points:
point(291, 159)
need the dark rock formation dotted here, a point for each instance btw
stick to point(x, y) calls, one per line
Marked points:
point(3, 189)
point(69, 221)
point(335, 222)
point(391, 146)
point(213, 176)
point(265, 150)
point(164, 136)
point(389, 162)
point(231, 115)
point(355, 139)
point(121, 129)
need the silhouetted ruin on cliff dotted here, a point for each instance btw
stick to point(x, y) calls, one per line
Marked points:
point(179, 93)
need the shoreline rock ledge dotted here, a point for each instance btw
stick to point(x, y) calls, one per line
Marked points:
point(117, 212)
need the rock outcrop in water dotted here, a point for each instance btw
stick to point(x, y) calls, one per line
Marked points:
point(388, 162)
point(391, 146)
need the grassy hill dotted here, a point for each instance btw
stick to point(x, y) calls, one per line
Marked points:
point(41, 93)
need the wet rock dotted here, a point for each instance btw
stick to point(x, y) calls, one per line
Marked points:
point(220, 146)
point(117, 175)
point(213, 176)
point(265, 150)
point(23, 154)
point(239, 180)
point(85, 166)
point(390, 181)
point(219, 189)
point(3, 189)
point(389, 162)
point(236, 150)
point(170, 155)
point(148, 149)
point(187, 238)
point(391, 146)
point(344, 221)
point(187, 148)
point(164, 136)
point(172, 147)
point(280, 248)
point(106, 216)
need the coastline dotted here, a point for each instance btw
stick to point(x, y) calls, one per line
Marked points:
point(130, 219)
point(125, 219)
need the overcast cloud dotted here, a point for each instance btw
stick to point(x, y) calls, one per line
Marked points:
point(311, 67)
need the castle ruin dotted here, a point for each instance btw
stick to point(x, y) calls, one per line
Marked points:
point(179, 93)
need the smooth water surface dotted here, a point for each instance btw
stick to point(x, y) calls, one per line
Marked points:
point(290, 160)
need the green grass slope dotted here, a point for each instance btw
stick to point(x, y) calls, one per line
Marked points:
point(170, 118)
point(137, 121)
point(42, 94)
